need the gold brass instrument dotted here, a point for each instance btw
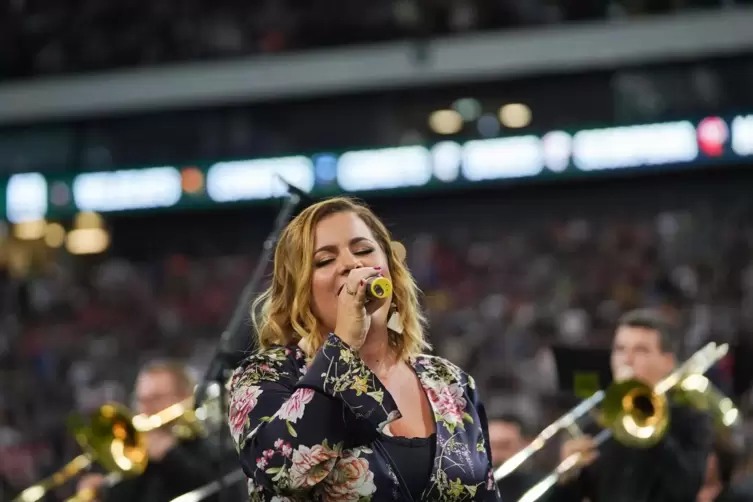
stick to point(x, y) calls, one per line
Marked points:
point(115, 438)
point(634, 413)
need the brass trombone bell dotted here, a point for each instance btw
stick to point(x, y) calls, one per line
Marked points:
point(112, 439)
point(637, 416)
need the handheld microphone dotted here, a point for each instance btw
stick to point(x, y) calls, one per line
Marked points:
point(378, 288)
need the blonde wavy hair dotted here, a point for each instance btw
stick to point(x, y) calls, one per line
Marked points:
point(282, 314)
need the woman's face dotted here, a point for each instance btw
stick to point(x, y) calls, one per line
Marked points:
point(342, 242)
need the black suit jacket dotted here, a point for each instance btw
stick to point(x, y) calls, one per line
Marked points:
point(188, 466)
point(738, 492)
point(671, 471)
point(7, 492)
point(731, 495)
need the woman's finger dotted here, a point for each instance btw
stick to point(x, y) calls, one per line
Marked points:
point(360, 296)
point(360, 275)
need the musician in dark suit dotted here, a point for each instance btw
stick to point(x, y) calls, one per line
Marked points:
point(644, 347)
point(175, 465)
point(508, 435)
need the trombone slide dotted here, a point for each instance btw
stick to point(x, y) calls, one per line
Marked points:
point(111, 480)
point(567, 420)
point(564, 467)
point(37, 492)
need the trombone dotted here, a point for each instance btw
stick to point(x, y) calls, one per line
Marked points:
point(634, 413)
point(115, 438)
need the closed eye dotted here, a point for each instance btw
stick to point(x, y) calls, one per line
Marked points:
point(326, 261)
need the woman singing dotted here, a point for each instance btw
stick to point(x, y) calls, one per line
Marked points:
point(340, 404)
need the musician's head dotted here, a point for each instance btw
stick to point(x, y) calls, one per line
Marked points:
point(161, 384)
point(646, 343)
point(507, 436)
point(313, 258)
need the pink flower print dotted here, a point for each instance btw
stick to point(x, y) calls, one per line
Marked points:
point(279, 443)
point(261, 462)
point(243, 401)
point(350, 481)
point(292, 409)
point(448, 402)
point(287, 450)
point(490, 480)
point(311, 465)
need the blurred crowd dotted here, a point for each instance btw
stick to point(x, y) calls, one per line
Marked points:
point(42, 37)
point(499, 297)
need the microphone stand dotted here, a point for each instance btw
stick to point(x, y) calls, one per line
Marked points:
point(234, 344)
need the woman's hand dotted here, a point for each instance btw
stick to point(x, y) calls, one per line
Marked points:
point(353, 314)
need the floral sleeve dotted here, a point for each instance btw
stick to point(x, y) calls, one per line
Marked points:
point(475, 401)
point(289, 431)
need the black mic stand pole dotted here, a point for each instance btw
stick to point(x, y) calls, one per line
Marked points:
point(234, 344)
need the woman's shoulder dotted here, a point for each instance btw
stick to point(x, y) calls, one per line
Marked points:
point(278, 364)
point(441, 369)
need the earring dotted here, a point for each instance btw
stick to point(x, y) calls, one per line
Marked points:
point(395, 323)
point(399, 250)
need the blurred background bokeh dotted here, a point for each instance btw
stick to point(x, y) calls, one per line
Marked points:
point(548, 164)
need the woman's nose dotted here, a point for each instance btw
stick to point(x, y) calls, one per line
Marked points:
point(351, 262)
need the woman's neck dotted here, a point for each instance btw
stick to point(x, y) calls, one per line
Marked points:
point(377, 354)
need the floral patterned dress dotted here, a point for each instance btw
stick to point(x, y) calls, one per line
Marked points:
point(313, 433)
